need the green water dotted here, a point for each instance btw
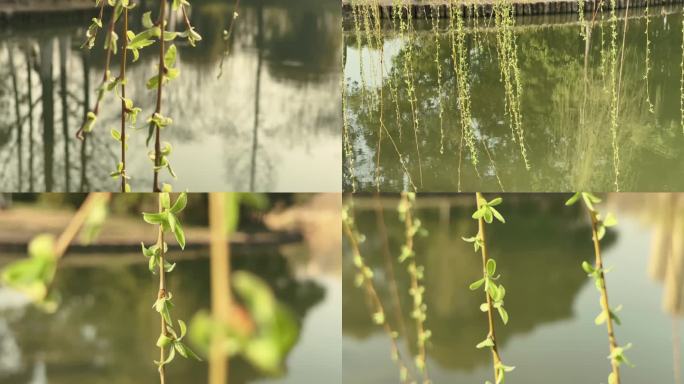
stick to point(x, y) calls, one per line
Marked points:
point(551, 336)
point(105, 330)
point(259, 127)
point(565, 108)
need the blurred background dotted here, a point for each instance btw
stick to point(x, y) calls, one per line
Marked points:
point(259, 127)
point(105, 329)
point(551, 336)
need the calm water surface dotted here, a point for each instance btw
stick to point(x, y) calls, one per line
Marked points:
point(565, 118)
point(259, 127)
point(105, 329)
point(551, 336)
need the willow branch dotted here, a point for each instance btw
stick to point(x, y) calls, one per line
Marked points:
point(415, 289)
point(124, 109)
point(162, 291)
point(496, 359)
point(227, 35)
point(161, 21)
point(375, 301)
point(612, 341)
point(74, 226)
point(105, 76)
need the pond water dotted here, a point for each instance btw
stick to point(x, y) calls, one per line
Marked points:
point(551, 336)
point(565, 107)
point(105, 330)
point(271, 122)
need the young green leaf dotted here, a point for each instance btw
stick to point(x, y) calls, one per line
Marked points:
point(610, 220)
point(180, 236)
point(147, 19)
point(503, 314)
point(572, 200)
point(479, 213)
point(488, 342)
point(164, 341)
point(494, 202)
point(165, 200)
point(491, 267)
point(155, 218)
point(488, 216)
point(498, 215)
point(474, 286)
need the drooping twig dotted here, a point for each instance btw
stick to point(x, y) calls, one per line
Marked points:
point(419, 310)
point(226, 37)
point(365, 279)
point(124, 108)
point(92, 115)
point(494, 293)
point(160, 73)
point(597, 272)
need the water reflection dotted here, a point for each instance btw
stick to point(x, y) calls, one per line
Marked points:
point(258, 127)
point(551, 301)
point(104, 332)
point(565, 107)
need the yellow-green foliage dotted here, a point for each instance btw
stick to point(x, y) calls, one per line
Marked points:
point(348, 148)
point(407, 31)
point(681, 82)
point(415, 271)
point(507, 50)
point(580, 15)
point(647, 64)
point(438, 64)
point(613, 89)
point(459, 55)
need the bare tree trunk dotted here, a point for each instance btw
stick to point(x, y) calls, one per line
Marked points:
point(47, 97)
point(255, 135)
point(63, 58)
point(29, 76)
point(86, 108)
point(17, 113)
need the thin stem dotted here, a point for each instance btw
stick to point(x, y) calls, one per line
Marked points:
point(226, 36)
point(496, 359)
point(382, 228)
point(162, 69)
point(375, 302)
point(124, 110)
point(17, 115)
point(77, 221)
point(162, 290)
point(105, 75)
point(72, 229)
point(604, 293)
point(220, 283)
point(421, 359)
point(29, 79)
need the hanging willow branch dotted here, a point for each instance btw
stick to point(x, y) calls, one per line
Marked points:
point(597, 272)
point(227, 33)
point(494, 293)
point(412, 227)
point(364, 278)
point(106, 84)
point(167, 221)
point(166, 71)
point(35, 276)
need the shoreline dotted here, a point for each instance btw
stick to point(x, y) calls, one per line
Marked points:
point(420, 9)
point(522, 22)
